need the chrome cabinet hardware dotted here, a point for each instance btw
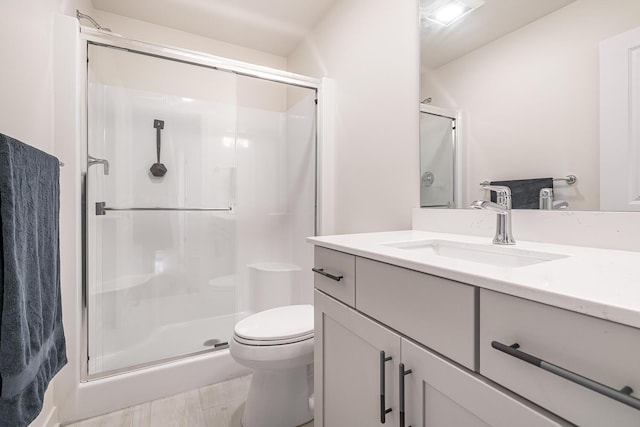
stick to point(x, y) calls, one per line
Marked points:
point(325, 274)
point(622, 396)
point(383, 405)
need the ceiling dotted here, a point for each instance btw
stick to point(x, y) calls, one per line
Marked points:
point(278, 26)
point(273, 26)
point(491, 21)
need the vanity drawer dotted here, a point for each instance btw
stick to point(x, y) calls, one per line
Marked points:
point(605, 352)
point(436, 312)
point(334, 274)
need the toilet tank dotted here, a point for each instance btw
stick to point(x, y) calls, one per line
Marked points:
point(271, 284)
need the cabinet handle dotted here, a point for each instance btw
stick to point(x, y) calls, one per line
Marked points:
point(325, 274)
point(622, 396)
point(403, 373)
point(383, 405)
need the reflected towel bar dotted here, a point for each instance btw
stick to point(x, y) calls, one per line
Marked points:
point(569, 179)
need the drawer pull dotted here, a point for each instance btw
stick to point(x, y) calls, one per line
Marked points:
point(325, 274)
point(622, 396)
point(383, 405)
point(402, 373)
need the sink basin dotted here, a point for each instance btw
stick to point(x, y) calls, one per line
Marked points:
point(485, 254)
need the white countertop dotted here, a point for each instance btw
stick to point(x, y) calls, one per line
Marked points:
point(598, 282)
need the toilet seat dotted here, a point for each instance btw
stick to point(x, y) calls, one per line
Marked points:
point(277, 326)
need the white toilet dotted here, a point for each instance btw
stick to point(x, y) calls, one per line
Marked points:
point(277, 343)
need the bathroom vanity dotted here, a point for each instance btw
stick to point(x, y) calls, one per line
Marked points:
point(429, 329)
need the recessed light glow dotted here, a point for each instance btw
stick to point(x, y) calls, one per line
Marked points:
point(446, 12)
point(449, 13)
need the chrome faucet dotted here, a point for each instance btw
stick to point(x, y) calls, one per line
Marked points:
point(93, 161)
point(502, 207)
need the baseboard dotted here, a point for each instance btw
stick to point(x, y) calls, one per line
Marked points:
point(47, 419)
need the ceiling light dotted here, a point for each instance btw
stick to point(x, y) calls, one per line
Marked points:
point(446, 12)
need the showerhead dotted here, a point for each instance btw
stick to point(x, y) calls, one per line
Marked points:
point(158, 169)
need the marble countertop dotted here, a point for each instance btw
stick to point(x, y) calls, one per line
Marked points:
point(597, 282)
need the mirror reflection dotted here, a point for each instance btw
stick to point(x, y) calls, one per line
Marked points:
point(524, 80)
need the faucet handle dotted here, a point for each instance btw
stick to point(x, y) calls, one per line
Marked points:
point(502, 190)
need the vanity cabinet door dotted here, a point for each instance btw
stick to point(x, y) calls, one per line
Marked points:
point(439, 394)
point(436, 312)
point(348, 367)
point(335, 274)
point(596, 349)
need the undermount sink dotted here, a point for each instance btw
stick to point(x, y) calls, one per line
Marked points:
point(485, 254)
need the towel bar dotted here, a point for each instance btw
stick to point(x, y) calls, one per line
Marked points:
point(101, 209)
point(569, 179)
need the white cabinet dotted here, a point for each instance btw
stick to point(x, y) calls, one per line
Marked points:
point(348, 368)
point(437, 393)
point(440, 394)
point(598, 350)
point(335, 274)
point(436, 312)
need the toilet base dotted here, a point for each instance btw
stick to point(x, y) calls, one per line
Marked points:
point(278, 398)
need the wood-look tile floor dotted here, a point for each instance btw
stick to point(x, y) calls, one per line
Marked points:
point(217, 405)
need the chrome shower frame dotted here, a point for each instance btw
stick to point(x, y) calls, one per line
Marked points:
point(322, 222)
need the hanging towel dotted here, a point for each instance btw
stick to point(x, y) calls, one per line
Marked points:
point(525, 193)
point(32, 343)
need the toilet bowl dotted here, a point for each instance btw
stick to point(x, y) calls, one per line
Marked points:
point(278, 345)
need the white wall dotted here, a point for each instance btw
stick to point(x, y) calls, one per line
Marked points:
point(26, 82)
point(145, 31)
point(530, 99)
point(27, 99)
point(370, 49)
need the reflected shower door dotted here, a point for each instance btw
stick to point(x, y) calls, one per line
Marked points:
point(437, 160)
point(161, 250)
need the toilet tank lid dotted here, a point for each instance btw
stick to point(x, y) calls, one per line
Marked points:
point(278, 323)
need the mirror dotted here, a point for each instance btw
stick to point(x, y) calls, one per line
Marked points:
point(438, 155)
point(523, 78)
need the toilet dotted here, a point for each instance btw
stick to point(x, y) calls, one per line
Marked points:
point(277, 343)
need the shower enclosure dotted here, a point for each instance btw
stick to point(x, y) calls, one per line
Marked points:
point(166, 253)
point(439, 158)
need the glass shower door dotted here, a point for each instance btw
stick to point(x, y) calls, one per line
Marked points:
point(161, 248)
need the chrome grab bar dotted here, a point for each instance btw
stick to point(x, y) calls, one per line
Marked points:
point(101, 209)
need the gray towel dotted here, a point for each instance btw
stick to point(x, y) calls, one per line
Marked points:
point(525, 193)
point(32, 343)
